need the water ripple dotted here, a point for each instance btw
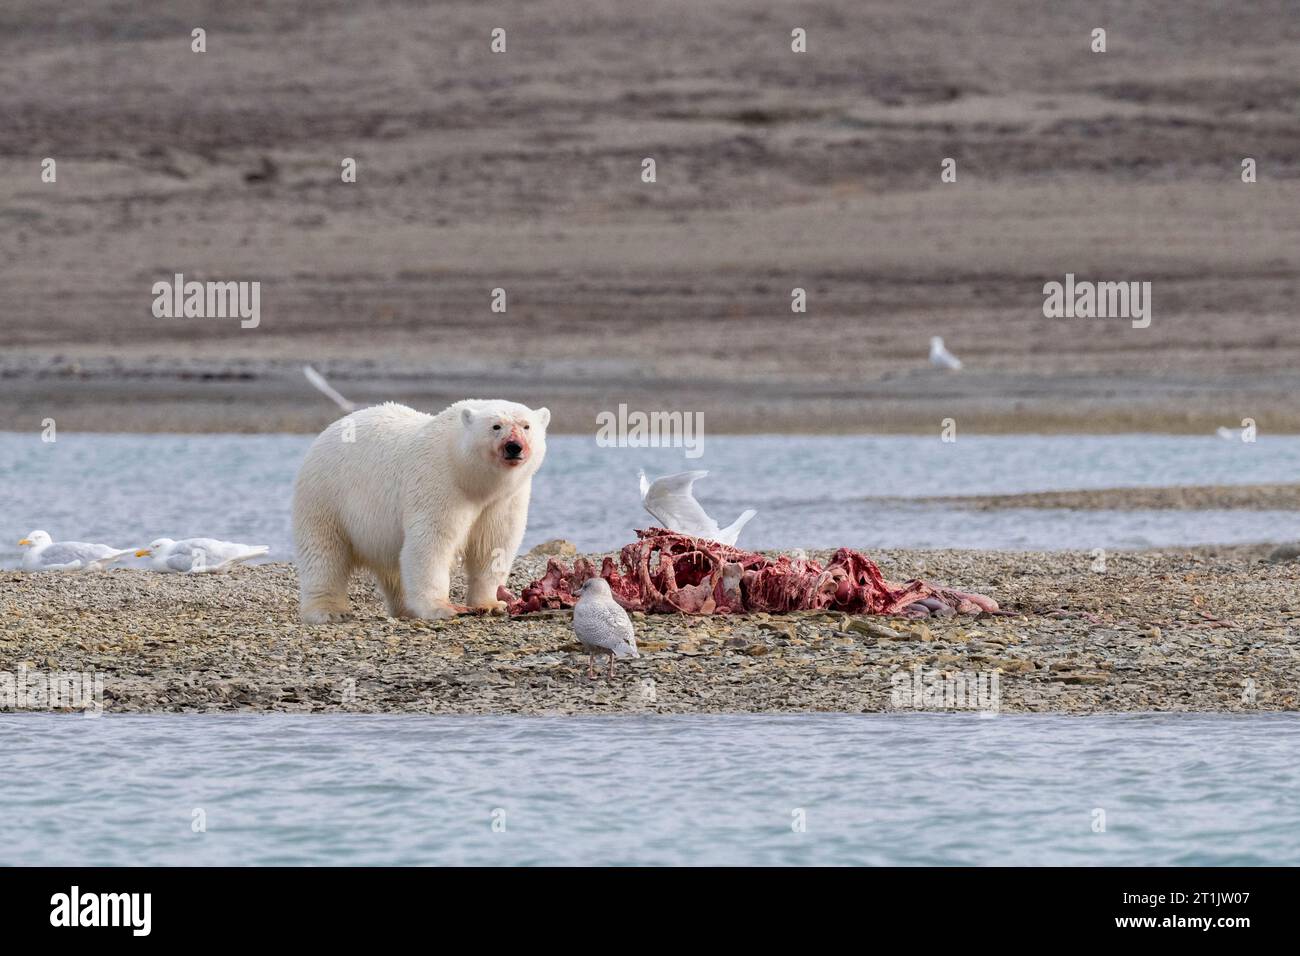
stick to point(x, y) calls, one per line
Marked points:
point(873, 789)
point(810, 491)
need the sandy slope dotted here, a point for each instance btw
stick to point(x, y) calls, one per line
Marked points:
point(775, 170)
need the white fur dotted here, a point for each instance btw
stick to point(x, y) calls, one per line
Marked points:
point(407, 495)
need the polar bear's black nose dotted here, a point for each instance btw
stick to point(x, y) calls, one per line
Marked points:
point(513, 449)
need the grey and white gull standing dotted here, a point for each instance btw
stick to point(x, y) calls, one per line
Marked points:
point(602, 625)
point(940, 357)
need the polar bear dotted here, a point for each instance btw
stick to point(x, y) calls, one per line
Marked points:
point(403, 493)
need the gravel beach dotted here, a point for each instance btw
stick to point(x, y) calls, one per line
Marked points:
point(1210, 629)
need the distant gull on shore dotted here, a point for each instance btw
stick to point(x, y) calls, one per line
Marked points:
point(602, 625)
point(670, 501)
point(198, 555)
point(45, 554)
point(940, 357)
point(326, 389)
point(1228, 434)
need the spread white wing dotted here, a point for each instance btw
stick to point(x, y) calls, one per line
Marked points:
point(326, 389)
point(670, 500)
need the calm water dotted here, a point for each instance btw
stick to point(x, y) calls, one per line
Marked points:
point(898, 789)
point(810, 492)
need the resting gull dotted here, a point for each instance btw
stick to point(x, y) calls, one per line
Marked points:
point(670, 500)
point(198, 555)
point(45, 554)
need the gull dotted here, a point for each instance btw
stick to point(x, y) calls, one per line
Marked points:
point(45, 554)
point(940, 357)
point(602, 625)
point(198, 555)
point(670, 500)
point(1228, 434)
point(326, 389)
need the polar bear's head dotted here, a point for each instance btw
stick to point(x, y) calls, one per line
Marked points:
point(504, 435)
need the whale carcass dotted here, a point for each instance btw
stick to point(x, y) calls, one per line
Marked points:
point(664, 572)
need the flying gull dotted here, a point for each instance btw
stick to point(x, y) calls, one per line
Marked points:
point(326, 389)
point(670, 500)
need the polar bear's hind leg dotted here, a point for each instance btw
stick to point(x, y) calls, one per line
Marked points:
point(324, 568)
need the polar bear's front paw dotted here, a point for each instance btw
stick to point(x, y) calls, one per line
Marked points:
point(435, 612)
point(323, 616)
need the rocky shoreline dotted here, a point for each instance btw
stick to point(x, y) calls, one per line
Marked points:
point(1209, 629)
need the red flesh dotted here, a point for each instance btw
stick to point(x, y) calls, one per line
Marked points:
point(695, 576)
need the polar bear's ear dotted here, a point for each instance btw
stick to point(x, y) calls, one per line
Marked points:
point(467, 417)
point(544, 416)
